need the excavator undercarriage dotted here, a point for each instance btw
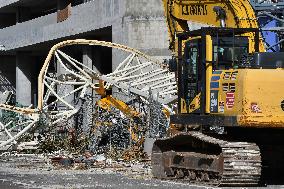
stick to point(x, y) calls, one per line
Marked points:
point(220, 159)
point(200, 158)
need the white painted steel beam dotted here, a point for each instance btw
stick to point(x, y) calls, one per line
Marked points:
point(137, 74)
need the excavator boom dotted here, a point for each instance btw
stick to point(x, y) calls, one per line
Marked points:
point(187, 15)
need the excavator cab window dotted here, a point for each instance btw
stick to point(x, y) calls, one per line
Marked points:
point(228, 47)
point(228, 51)
point(192, 59)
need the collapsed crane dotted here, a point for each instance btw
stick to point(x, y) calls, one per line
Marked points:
point(54, 89)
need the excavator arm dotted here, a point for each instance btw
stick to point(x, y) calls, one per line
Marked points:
point(186, 15)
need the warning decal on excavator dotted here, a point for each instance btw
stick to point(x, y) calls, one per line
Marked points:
point(234, 75)
point(282, 105)
point(221, 106)
point(230, 100)
point(214, 101)
point(255, 108)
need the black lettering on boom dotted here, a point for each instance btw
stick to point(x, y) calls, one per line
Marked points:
point(185, 10)
point(194, 10)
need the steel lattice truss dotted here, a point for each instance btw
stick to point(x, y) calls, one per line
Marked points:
point(138, 77)
point(270, 17)
point(60, 93)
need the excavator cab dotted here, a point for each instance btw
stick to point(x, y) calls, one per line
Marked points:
point(213, 66)
point(200, 53)
point(227, 53)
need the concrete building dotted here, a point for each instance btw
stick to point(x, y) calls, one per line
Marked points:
point(28, 28)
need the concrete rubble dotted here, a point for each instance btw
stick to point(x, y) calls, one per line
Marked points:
point(87, 161)
point(109, 145)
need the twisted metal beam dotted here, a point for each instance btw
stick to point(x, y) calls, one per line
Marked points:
point(137, 74)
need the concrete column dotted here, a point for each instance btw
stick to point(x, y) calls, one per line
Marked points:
point(97, 60)
point(23, 79)
point(87, 60)
point(87, 56)
point(88, 101)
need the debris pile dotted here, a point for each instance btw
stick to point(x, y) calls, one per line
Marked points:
point(68, 118)
point(156, 118)
point(112, 134)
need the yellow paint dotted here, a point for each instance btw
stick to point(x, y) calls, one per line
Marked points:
point(209, 58)
point(265, 87)
point(240, 14)
point(183, 107)
point(101, 89)
point(195, 104)
point(108, 102)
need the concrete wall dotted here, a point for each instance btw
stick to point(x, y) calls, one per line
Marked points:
point(4, 3)
point(139, 24)
point(46, 28)
point(143, 27)
point(136, 23)
point(24, 67)
point(144, 8)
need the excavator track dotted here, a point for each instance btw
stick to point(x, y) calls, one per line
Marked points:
point(226, 163)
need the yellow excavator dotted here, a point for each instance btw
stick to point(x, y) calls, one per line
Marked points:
point(229, 125)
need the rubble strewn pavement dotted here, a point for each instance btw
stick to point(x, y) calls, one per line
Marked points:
point(112, 144)
point(42, 171)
